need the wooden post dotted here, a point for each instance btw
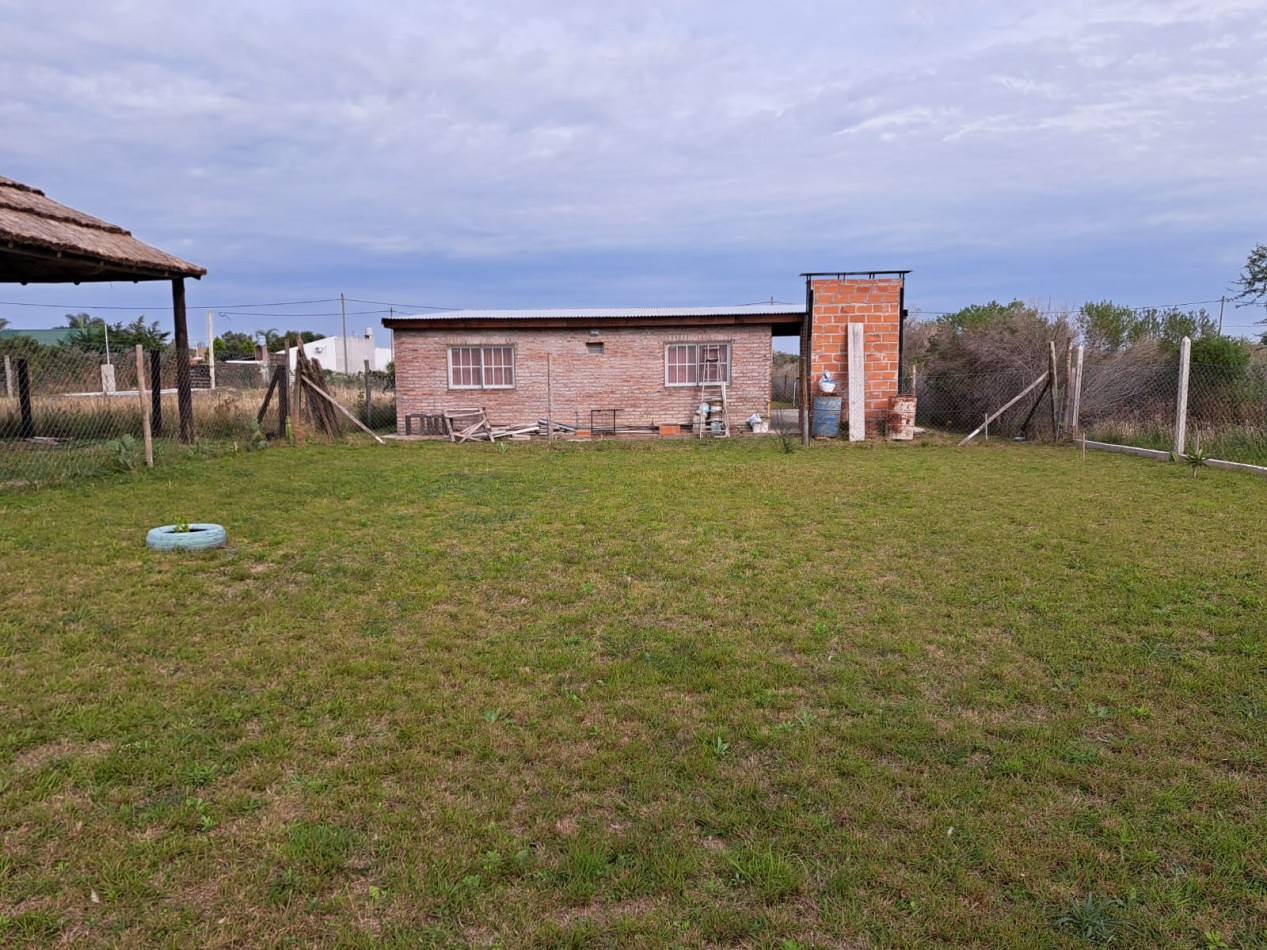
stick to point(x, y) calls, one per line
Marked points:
point(296, 398)
point(24, 400)
point(1055, 390)
point(369, 398)
point(184, 384)
point(145, 413)
point(1075, 416)
point(549, 400)
point(1181, 404)
point(283, 399)
point(156, 393)
point(857, 383)
point(8, 377)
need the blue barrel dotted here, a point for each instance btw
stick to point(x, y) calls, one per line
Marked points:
point(826, 419)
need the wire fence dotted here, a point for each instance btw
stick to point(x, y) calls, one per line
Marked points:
point(1121, 399)
point(69, 413)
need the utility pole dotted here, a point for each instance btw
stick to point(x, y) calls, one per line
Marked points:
point(211, 350)
point(343, 308)
point(1222, 301)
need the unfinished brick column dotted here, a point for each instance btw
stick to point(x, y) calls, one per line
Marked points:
point(875, 301)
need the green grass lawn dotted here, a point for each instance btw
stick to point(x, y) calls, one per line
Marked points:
point(652, 694)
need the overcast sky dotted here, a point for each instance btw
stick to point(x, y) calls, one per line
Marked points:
point(643, 152)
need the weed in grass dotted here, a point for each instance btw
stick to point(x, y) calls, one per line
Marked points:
point(1094, 918)
point(586, 864)
point(719, 747)
point(317, 847)
point(773, 877)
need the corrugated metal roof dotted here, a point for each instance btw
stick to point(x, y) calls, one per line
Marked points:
point(612, 313)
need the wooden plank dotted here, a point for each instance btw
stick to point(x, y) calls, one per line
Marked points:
point(325, 395)
point(268, 398)
point(857, 383)
point(1127, 450)
point(1006, 406)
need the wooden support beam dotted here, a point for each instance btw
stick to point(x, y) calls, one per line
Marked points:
point(1005, 407)
point(330, 399)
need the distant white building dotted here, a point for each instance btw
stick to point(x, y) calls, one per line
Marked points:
point(329, 351)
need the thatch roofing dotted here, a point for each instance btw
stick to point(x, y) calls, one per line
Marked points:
point(44, 241)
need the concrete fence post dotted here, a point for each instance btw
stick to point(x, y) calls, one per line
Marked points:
point(1075, 416)
point(1181, 404)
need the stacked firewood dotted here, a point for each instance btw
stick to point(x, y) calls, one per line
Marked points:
point(315, 411)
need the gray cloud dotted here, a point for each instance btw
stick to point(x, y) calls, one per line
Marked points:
point(244, 136)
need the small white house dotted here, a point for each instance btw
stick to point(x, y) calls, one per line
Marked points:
point(330, 351)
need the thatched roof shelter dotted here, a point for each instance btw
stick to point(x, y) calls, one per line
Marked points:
point(43, 242)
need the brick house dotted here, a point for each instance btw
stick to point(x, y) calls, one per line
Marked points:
point(646, 364)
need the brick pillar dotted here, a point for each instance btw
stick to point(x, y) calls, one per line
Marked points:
point(876, 303)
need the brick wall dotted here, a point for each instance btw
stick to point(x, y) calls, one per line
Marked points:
point(628, 374)
point(876, 304)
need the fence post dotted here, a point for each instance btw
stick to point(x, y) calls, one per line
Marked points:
point(369, 397)
point(1055, 390)
point(857, 362)
point(8, 378)
point(283, 399)
point(24, 399)
point(1181, 405)
point(1075, 420)
point(145, 419)
point(156, 392)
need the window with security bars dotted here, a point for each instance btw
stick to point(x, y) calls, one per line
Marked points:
point(481, 367)
point(690, 364)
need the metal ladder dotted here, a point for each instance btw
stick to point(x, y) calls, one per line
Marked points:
point(707, 393)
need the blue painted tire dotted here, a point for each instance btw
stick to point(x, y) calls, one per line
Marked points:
point(199, 537)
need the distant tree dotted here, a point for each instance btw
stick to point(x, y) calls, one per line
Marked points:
point(235, 346)
point(1172, 325)
point(982, 315)
point(1253, 278)
point(3, 323)
point(1109, 327)
point(89, 333)
point(138, 331)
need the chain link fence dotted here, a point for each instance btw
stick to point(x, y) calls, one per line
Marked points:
point(1129, 398)
point(69, 413)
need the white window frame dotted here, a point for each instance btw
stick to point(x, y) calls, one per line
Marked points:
point(694, 365)
point(481, 348)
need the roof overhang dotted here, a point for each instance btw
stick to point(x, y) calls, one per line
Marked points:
point(30, 264)
point(564, 319)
